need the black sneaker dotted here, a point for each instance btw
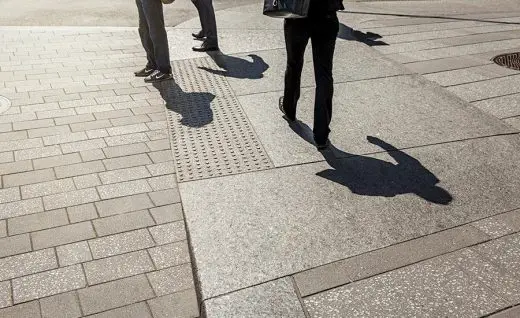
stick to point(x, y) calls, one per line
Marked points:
point(144, 72)
point(280, 106)
point(158, 76)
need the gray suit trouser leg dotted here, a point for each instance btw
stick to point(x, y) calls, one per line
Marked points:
point(153, 34)
point(207, 20)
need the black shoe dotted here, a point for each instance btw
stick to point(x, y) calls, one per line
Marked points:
point(144, 72)
point(158, 76)
point(280, 106)
point(198, 36)
point(323, 146)
point(205, 47)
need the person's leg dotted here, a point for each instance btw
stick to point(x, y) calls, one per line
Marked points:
point(153, 10)
point(296, 39)
point(210, 29)
point(324, 33)
point(144, 34)
point(197, 5)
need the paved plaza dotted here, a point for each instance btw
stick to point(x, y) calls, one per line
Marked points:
point(195, 198)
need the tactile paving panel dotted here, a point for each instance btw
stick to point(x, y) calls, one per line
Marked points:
point(211, 135)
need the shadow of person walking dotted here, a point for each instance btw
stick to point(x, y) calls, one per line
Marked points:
point(369, 176)
point(236, 67)
point(369, 38)
point(195, 108)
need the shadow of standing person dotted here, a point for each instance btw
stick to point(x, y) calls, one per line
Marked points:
point(236, 67)
point(369, 176)
point(369, 38)
point(195, 108)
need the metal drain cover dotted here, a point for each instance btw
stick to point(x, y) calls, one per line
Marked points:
point(211, 135)
point(5, 103)
point(509, 60)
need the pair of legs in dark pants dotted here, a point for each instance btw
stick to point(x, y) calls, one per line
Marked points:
point(322, 31)
point(207, 20)
point(153, 35)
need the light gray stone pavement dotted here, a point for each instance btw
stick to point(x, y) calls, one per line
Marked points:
point(92, 210)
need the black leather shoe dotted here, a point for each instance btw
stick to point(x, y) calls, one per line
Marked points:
point(323, 146)
point(205, 47)
point(144, 72)
point(198, 36)
point(280, 106)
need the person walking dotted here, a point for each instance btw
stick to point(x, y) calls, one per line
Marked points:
point(208, 34)
point(321, 26)
point(155, 41)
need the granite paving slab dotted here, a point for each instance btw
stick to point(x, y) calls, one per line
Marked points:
point(278, 222)
point(406, 111)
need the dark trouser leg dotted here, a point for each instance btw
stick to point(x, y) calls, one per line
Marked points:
point(196, 3)
point(324, 33)
point(296, 39)
point(153, 10)
point(144, 34)
point(207, 20)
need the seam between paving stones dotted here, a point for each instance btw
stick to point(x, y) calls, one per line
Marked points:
point(488, 98)
point(484, 80)
point(300, 299)
point(501, 310)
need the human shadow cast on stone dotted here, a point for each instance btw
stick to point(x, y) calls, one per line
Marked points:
point(195, 108)
point(236, 67)
point(369, 176)
point(369, 38)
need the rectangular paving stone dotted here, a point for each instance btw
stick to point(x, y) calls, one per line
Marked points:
point(47, 188)
point(386, 259)
point(64, 138)
point(82, 213)
point(79, 169)
point(120, 243)
point(181, 304)
point(62, 235)
point(273, 299)
point(125, 150)
point(168, 233)
point(159, 169)
point(124, 205)
point(167, 213)
point(26, 310)
point(130, 119)
point(165, 197)
point(122, 175)
point(15, 167)
point(70, 120)
point(37, 153)
point(126, 139)
point(113, 114)
point(94, 109)
point(23, 207)
point(71, 198)
point(170, 255)
point(87, 181)
point(48, 130)
point(74, 253)
point(6, 157)
point(115, 294)
point(83, 145)
point(92, 155)
point(157, 145)
point(139, 310)
point(123, 222)
point(163, 182)
point(10, 194)
point(500, 225)
point(56, 161)
point(55, 113)
point(3, 228)
point(14, 245)
point(5, 294)
point(116, 267)
point(444, 64)
point(16, 135)
point(60, 306)
point(89, 125)
point(48, 283)
point(34, 262)
point(37, 222)
point(30, 177)
point(127, 162)
point(123, 189)
point(509, 247)
point(128, 129)
point(171, 280)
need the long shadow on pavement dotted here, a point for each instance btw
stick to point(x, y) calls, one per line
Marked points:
point(369, 38)
point(236, 67)
point(195, 108)
point(369, 176)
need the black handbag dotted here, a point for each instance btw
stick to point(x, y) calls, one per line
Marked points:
point(286, 8)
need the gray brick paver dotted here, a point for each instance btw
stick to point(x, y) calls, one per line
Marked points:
point(171, 280)
point(62, 235)
point(120, 243)
point(37, 222)
point(83, 145)
point(123, 223)
point(168, 232)
point(167, 213)
point(117, 267)
point(127, 162)
point(61, 306)
point(126, 150)
point(139, 310)
point(47, 188)
point(56, 161)
point(48, 283)
point(163, 182)
point(122, 189)
point(122, 175)
point(23, 207)
point(170, 255)
point(181, 304)
point(5, 294)
point(82, 213)
point(29, 263)
point(87, 181)
point(165, 197)
point(74, 253)
point(3, 228)
point(79, 169)
point(26, 310)
point(124, 205)
point(37, 153)
point(9, 194)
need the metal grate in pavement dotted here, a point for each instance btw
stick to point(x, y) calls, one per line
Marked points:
point(510, 60)
point(5, 103)
point(211, 135)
